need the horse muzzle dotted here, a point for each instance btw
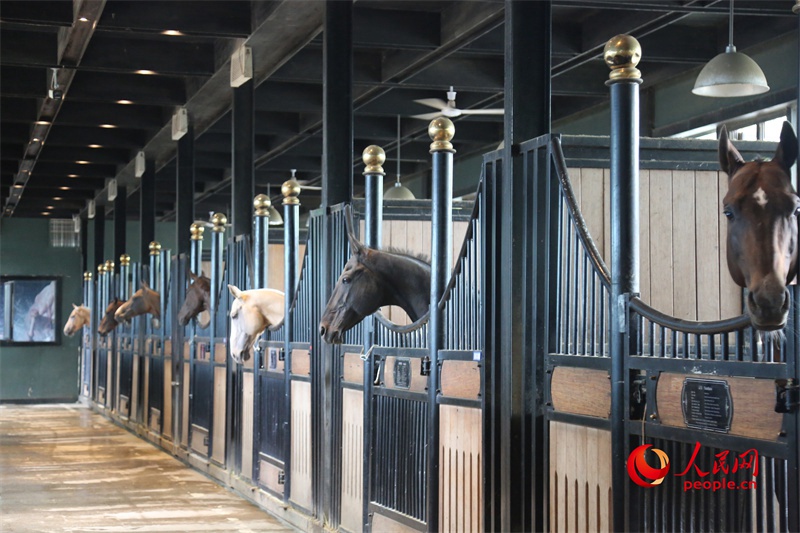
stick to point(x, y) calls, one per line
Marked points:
point(768, 310)
point(329, 335)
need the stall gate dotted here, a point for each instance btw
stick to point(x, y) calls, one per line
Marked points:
point(716, 398)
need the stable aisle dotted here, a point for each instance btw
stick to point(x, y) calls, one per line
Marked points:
point(66, 468)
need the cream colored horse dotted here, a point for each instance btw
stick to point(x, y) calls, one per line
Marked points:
point(251, 313)
point(79, 317)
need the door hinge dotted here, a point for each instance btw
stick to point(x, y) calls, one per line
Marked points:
point(787, 395)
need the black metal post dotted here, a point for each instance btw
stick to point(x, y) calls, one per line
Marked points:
point(99, 237)
point(147, 209)
point(242, 188)
point(518, 353)
point(261, 205)
point(291, 212)
point(622, 54)
point(184, 203)
point(441, 131)
point(196, 259)
point(218, 221)
point(85, 246)
point(120, 221)
point(373, 158)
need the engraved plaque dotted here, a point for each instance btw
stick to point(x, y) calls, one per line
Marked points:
point(707, 404)
point(402, 373)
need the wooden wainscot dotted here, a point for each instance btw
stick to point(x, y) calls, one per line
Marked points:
point(270, 476)
point(301, 362)
point(751, 411)
point(407, 375)
point(220, 352)
point(581, 391)
point(199, 440)
point(461, 379)
point(353, 368)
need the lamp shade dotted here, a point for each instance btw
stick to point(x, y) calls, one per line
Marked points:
point(398, 192)
point(731, 74)
point(275, 218)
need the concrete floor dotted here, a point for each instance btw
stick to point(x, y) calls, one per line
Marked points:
point(66, 468)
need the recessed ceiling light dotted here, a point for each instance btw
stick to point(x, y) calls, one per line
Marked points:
point(64, 188)
point(57, 198)
point(95, 146)
point(107, 126)
point(45, 213)
point(145, 72)
point(72, 175)
point(18, 186)
point(49, 207)
point(35, 139)
point(83, 19)
point(171, 32)
point(82, 162)
point(124, 102)
point(42, 123)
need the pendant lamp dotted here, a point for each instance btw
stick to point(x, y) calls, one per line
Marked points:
point(731, 73)
point(398, 192)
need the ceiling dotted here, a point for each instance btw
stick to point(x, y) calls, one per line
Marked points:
point(126, 65)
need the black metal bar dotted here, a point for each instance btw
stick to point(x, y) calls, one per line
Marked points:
point(291, 209)
point(442, 151)
point(373, 207)
point(242, 184)
point(99, 239)
point(624, 84)
point(147, 208)
point(184, 202)
point(120, 222)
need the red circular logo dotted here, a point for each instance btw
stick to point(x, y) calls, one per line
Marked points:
point(640, 471)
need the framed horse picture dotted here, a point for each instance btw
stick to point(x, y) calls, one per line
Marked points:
point(29, 310)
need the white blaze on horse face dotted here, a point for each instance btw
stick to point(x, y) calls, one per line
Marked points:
point(760, 197)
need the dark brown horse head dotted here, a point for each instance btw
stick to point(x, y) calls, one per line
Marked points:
point(198, 299)
point(762, 209)
point(145, 300)
point(371, 279)
point(107, 324)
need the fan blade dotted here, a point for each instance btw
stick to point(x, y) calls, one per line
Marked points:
point(482, 111)
point(435, 103)
point(428, 116)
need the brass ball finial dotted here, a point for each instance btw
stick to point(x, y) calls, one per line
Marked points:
point(124, 260)
point(87, 276)
point(155, 248)
point(441, 131)
point(261, 204)
point(373, 157)
point(196, 230)
point(109, 265)
point(218, 220)
point(622, 53)
point(290, 190)
point(101, 268)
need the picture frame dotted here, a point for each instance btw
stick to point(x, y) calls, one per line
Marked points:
point(30, 310)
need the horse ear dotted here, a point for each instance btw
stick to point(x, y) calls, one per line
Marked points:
point(74, 306)
point(786, 153)
point(236, 292)
point(194, 276)
point(355, 247)
point(729, 157)
point(144, 285)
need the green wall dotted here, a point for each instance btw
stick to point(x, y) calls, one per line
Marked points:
point(47, 372)
point(165, 234)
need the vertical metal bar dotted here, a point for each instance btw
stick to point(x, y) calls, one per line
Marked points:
point(243, 155)
point(147, 208)
point(622, 53)
point(120, 220)
point(99, 237)
point(261, 206)
point(184, 184)
point(291, 209)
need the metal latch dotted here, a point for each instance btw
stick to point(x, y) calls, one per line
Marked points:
point(787, 395)
point(281, 478)
point(282, 355)
point(425, 368)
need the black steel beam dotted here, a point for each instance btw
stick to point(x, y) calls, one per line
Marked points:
point(99, 237)
point(243, 171)
point(120, 223)
point(184, 190)
point(147, 209)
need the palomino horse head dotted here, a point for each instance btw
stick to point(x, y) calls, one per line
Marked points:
point(108, 323)
point(251, 313)
point(371, 279)
point(79, 317)
point(145, 300)
point(762, 210)
point(198, 299)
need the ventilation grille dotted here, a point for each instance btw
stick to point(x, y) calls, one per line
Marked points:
point(62, 233)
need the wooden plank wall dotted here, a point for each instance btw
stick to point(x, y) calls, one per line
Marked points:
point(682, 238)
point(352, 459)
point(301, 444)
point(460, 471)
point(580, 478)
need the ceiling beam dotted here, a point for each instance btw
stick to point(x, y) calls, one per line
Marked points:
point(164, 55)
point(217, 18)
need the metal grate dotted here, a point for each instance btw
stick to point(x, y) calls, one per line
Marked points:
point(63, 234)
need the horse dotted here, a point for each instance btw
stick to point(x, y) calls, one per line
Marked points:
point(79, 317)
point(198, 299)
point(251, 313)
point(145, 300)
point(108, 323)
point(43, 309)
point(762, 209)
point(370, 280)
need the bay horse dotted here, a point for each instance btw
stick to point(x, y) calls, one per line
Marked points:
point(79, 317)
point(762, 209)
point(370, 280)
point(145, 300)
point(108, 323)
point(251, 313)
point(198, 299)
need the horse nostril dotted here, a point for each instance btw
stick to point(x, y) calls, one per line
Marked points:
point(322, 331)
point(751, 299)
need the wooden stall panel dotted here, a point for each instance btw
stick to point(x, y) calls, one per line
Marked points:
point(581, 391)
point(269, 475)
point(167, 414)
point(352, 459)
point(199, 440)
point(417, 383)
point(301, 362)
point(753, 403)
point(247, 424)
point(135, 387)
point(461, 379)
point(218, 438)
point(384, 524)
point(301, 444)
point(220, 352)
point(580, 478)
point(146, 393)
point(353, 369)
point(185, 406)
point(460, 469)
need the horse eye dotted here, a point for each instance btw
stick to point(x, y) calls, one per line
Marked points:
point(728, 214)
point(345, 280)
point(797, 211)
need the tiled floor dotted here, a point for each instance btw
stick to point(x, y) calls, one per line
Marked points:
point(65, 468)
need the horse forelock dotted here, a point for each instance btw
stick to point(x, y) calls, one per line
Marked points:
point(418, 257)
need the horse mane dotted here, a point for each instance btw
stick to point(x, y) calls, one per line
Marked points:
point(409, 254)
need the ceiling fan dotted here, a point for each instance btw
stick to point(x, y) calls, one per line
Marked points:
point(448, 109)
